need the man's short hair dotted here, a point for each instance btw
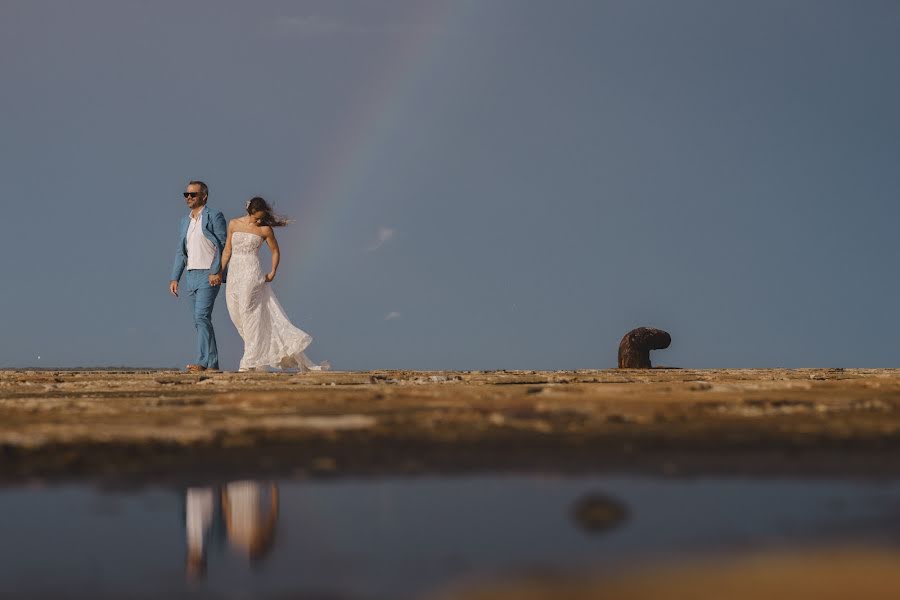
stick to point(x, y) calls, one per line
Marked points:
point(203, 189)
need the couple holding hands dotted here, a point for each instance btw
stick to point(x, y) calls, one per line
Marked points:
point(207, 247)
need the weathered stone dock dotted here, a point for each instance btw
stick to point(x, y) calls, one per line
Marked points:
point(152, 422)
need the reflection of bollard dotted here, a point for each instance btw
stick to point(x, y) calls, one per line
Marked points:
point(635, 347)
point(597, 513)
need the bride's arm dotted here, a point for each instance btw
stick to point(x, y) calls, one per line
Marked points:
point(276, 253)
point(226, 252)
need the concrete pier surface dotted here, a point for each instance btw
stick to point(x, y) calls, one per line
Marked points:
point(157, 423)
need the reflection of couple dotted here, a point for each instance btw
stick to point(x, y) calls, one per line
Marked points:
point(249, 511)
point(206, 248)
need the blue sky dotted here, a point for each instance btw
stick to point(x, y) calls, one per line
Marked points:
point(476, 185)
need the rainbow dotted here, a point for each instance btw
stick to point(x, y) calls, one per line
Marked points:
point(354, 146)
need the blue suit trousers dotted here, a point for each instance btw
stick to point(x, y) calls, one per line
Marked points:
point(203, 297)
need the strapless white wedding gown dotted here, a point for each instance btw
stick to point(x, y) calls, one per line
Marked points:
point(270, 339)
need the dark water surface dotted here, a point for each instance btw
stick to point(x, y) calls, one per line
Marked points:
point(402, 538)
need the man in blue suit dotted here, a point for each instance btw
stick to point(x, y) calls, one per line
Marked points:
point(199, 257)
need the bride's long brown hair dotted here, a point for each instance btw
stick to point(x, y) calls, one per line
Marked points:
point(257, 204)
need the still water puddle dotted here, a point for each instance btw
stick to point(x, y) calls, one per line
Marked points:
point(404, 538)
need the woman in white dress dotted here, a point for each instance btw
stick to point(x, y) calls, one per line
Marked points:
point(270, 340)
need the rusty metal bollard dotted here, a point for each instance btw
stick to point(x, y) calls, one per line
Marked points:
point(635, 347)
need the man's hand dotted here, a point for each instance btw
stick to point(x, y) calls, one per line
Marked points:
point(173, 288)
point(215, 280)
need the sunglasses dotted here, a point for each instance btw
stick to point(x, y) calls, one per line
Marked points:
point(191, 194)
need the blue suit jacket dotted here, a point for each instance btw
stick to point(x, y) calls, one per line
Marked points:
point(215, 230)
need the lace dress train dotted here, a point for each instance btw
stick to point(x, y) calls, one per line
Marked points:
point(270, 339)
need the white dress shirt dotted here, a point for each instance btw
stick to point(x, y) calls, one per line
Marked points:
point(200, 251)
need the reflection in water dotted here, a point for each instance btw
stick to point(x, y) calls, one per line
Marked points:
point(598, 513)
point(400, 538)
point(198, 519)
point(250, 524)
point(249, 513)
